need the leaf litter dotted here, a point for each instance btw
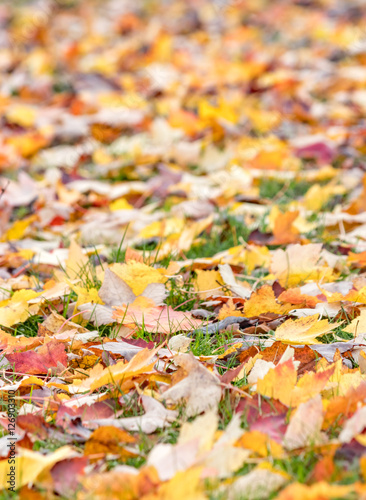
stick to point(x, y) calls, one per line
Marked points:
point(183, 249)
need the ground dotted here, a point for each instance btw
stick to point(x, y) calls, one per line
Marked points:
point(183, 250)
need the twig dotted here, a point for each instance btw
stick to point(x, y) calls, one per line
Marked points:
point(214, 328)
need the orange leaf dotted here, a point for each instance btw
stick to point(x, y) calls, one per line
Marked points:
point(261, 301)
point(279, 382)
point(284, 232)
point(109, 439)
point(294, 296)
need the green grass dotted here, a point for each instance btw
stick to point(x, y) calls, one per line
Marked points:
point(227, 231)
point(299, 467)
point(287, 191)
point(29, 328)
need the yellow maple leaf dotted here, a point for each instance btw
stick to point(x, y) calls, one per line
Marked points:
point(207, 283)
point(260, 443)
point(303, 330)
point(310, 384)
point(17, 308)
point(318, 195)
point(21, 115)
point(299, 263)
point(138, 275)
point(29, 465)
point(161, 228)
point(84, 297)
point(263, 300)
point(356, 295)
point(142, 362)
point(185, 485)
point(229, 309)
point(27, 144)
point(17, 230)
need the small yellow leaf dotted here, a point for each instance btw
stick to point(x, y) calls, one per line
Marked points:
point(207, 283)
point(120, 204)
point(138, 275)
point(18, 229)
point(260, 443)
point(21, 115)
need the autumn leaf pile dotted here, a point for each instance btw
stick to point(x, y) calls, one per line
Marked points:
point(183, 249)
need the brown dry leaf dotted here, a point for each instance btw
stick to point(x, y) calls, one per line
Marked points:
point(200, 388)
point(56, 323)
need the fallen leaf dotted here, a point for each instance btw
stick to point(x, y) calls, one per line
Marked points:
point(109, 439)
point(29, 465)
point(47, 357)
point(261, 301)
point(316, 491)
point(305, 425)
point(303, 330)
point(200, 388)
point(156, 417)
point(279, 382)
point(143, 313)
point(138, 275)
